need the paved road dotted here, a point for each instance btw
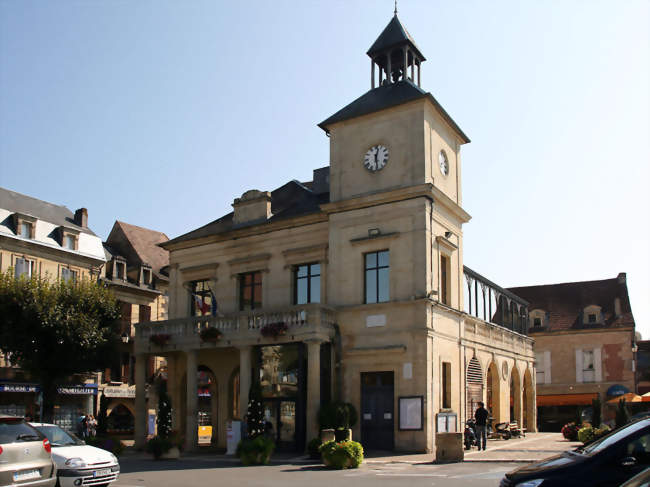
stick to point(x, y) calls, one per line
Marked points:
point(200, 472)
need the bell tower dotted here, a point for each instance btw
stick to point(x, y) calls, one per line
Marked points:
point(394, 53)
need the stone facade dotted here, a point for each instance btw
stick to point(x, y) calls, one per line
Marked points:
point(382, 323)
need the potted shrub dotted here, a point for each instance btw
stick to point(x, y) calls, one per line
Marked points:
point(160, 339)
point(274, 330)
point(340, 417)
point(256, 448)
point(342, 454)
point(570, 431)
point(210, 334)
point(167, 443)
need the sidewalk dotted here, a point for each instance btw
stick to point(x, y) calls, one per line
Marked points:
point(533, 448)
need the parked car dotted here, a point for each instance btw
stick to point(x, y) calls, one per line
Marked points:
point(25, 455)
point(640, 480)
point(77, 463)
point(609, 461)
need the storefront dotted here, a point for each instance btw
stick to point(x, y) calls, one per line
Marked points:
point(19, 399)
point(120, 418)
point(72, 402)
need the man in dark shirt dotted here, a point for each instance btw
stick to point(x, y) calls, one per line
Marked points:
point(481, 416)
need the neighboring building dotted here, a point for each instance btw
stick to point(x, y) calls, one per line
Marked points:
point(643, 366)
point(38, 238)
point(136, 272)
point(349, 286)
point(584, 346)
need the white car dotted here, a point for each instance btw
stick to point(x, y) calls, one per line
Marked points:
point(78, 464)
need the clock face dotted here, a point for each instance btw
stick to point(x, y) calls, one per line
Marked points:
point(444, 163)
point(376, 158)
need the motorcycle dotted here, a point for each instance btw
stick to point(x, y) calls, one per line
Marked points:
point(502, 430)
point(469, 434)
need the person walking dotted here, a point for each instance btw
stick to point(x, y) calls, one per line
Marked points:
point(481, 417)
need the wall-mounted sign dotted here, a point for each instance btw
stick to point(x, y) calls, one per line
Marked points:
point(19, 388)
point(410, 412)
point(78, 390)
point(120, 391)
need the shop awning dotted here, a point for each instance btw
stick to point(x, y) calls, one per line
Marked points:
point(566, 399)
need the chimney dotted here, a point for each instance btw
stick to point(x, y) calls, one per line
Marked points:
point(321, 182)
point(617, 306)
point(253, 207)
point(622, 277)
point(81, 217)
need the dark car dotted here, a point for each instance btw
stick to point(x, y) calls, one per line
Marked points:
point(608, 461)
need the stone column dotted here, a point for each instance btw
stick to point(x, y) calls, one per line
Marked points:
point(191, 420)
point(372, 74)
point(406, 60)
point(245, 365)
point(388, 69)
point(419, 66)
point(140, 400)
point(313, 387)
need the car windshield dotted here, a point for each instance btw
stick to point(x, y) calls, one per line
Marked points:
point(16, 430)
point(59, 437)
point(612, 438)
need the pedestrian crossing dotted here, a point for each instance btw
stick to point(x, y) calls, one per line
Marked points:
point(448, 471)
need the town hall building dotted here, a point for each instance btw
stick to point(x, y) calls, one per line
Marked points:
point(348, 287)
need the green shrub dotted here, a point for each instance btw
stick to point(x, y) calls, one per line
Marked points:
point(313, 446)
point(588, 434)
point(602, 431)
point(337, 415)
point(255, 451)
point(343, 454)
point(107, 443)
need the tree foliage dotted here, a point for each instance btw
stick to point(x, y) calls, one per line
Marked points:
point(53, 329)
point(255, 421)
point(164, 419)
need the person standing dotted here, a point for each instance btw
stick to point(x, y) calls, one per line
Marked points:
point(481, 417)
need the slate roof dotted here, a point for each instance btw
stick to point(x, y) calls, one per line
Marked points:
point(387, 96)
point(138, 245)
point(564, 303)
point(393, 35)
point(48, 212)
point(292, 199)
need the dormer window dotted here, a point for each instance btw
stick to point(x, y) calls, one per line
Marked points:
point(591, 315)
point(69, 242)
point(537, 319)
point(146, 276)
point(26, 230)
point(119, 269)
point(69, 238)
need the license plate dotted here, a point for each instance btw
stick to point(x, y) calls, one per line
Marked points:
point(26, 475)
point(102, 472)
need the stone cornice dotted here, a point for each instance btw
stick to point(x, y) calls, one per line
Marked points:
point(380, 198)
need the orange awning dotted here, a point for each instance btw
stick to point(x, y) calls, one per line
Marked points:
point(566, 399)
point(629, 397)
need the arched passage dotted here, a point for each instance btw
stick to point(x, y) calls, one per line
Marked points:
point(207, 405)
point(474, 386)
point(528, 398)
point(120, 420)
point(493, 399)
point(515, 396)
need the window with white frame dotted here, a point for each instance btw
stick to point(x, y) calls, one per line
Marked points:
point(68, 275)
point(540, 368)
point(69, 242)
point(26, 229)
point(588, 371)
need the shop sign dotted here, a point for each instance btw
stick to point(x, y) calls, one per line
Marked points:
point(19, 388)
point(84, 389)
point(120, 391)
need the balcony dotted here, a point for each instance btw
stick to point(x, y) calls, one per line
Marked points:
point(303, 322)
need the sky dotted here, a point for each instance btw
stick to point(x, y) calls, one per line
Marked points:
point(159, 113)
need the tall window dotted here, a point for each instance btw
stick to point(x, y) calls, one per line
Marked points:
point(540, 368)
point(250, 291)
point(24, 267)
point(588, 373)
point(377, 267)
point(446, 385)
point(201, 298)
point(444, 273)
point(537, 322)
point(68, 275)
point(307, 284)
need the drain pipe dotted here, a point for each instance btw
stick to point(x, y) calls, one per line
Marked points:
point(338, 353)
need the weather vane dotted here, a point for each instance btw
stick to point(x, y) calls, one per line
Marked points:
point(395, 7)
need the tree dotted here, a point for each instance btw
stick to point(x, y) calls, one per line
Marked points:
point(596, 406)
point(102, 419)
point(255, 422)
point(54, 329)
point(622, 414)
point(164, 419)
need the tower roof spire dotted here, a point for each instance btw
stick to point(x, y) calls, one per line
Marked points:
point(395, 8)
point(392, 36)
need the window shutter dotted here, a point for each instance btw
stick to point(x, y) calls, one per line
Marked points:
point(578, 364)
point(598, 370)
point(547, 367)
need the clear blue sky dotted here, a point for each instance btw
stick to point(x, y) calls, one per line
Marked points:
point(159, 113)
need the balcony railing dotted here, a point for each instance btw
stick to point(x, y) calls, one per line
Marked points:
point(492, 303)
point(240, 328)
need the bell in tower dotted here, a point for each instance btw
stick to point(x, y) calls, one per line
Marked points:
point(395, 53)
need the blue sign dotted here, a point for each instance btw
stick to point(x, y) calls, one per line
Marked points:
point(84, 389)
point(19, 388)
point(617, 390)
